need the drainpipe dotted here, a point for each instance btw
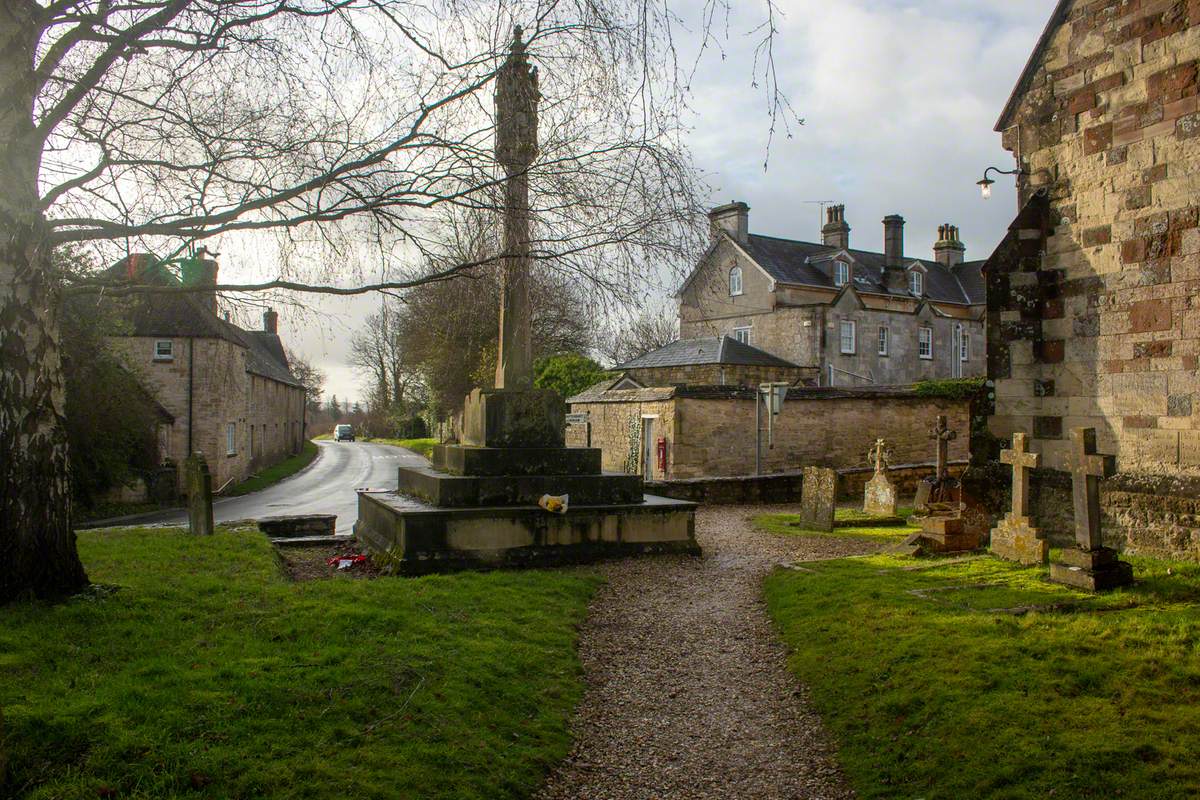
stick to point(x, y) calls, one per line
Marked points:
point(191, 381)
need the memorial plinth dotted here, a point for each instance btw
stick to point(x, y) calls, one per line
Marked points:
point(476, 506)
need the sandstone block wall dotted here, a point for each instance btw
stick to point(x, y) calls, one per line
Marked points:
point(719, 375)
point(267, 415)
point(716, 437)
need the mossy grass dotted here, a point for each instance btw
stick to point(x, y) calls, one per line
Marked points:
point(275, 473)
point(790, 525)
point(422, 447)
point(979, 678)
point(208, 674)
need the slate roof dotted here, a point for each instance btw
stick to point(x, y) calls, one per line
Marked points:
point(183, 315)
point(709, 350)
point(788, 261)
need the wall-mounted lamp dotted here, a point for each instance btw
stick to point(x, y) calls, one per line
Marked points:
point(985, 185)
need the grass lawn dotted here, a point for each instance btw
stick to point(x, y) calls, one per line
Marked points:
point(207, 674)
point(273, 475)
point(422, 447)
point(789, 525)
point(981, 679)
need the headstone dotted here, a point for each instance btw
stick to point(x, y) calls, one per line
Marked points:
point(943, 436)
point(879, 497)
point(1014, 539)
point(818, 498)
point(199, 494)
point(1089, 565)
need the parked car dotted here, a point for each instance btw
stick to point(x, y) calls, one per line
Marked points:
point(344, 433)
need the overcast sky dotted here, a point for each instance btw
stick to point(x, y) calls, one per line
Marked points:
point(898, 97)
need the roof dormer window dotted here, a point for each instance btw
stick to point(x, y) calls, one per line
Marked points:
point(735, 281)
point(916, 282)
point(841, 273)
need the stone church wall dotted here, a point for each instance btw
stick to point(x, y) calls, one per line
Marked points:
point(1103, 330)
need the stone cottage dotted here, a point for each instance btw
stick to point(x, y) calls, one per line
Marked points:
point(229, 392)
point(1093, 317)
point(855, 317)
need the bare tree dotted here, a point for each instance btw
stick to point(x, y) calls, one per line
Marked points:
point(311, 378)
point(336, 123)
point(651, 329)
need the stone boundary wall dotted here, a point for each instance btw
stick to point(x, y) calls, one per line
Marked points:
point(785, 487)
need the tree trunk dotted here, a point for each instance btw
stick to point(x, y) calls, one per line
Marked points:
point(37, 545)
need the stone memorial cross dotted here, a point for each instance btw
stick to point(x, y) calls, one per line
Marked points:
point(516, 148)
point(1021, 461)
point(1087, 468)
point(879, 455)
point(943, 436)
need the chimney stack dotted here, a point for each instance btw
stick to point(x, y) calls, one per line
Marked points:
point(949, 249)
point(836, 232)
point(893, 240)
point(270, 321)
point(733, 219)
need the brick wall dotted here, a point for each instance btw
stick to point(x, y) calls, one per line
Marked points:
point(1104, 329)
point(711, 433)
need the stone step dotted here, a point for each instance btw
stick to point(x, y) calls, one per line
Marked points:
point(312, 541)
point(457, 459)
point(458, 491)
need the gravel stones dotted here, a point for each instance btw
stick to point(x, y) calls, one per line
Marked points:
point(688, 690)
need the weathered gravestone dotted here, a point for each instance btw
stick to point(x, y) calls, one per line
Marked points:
point(818, 498)
point(1089, 565)
point(1014, 539)
point(935, 487)
point(879, 497)
point(199, 494)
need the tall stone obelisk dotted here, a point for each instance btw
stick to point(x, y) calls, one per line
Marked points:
point(516, 147)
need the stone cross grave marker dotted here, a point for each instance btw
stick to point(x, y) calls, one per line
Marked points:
point(1090, 565)
point(1014, 539)
point(199, 494)
point(879, 496)
point(517, 99)
point(932, 489)
point(818, 497)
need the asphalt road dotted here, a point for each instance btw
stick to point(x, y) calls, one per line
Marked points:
point(327, 486)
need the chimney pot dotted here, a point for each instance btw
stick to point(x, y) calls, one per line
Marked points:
point(836, 232)
point(949, 250)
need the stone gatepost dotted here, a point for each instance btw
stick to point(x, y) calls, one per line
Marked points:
point(199, 494)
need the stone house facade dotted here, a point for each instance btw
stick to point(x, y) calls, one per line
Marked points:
point(1093, 317)
point(230, 391)
point(854, 317)
point(709, 431)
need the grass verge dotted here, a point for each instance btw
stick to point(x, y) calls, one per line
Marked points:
point(207, 674)
point(422, 447)
point(790, 525)
point(274, 474)
point(981, 679)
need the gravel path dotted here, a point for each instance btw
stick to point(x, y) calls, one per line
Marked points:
point(688, 690)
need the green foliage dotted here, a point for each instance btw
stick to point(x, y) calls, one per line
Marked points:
point(950, 388)
point(110, 419)
point(981, 679)
point(422, 447)
point(789, 525)
point(208, 674)
point(274, 474)
point(568, 373)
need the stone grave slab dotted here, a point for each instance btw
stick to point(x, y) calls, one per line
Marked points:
point(818, 498)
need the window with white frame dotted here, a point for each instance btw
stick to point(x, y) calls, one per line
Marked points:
point(841, 273)
point(742, 335)
point(965, 348)
point(916, 282)
point(849, 337)
point(735, 281)
point(883, 341)
point(925, 342)
point(231, 439)
point(164, 350)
